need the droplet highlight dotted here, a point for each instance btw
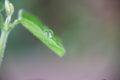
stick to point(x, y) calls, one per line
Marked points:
point(48, 33)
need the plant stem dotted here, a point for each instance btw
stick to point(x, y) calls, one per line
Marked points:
point(3, 41)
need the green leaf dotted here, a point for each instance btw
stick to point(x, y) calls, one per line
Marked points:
point(43, 33)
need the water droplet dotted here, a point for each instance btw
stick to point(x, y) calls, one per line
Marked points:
point(49, 33)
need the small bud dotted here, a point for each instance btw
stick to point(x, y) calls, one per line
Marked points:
point(9, 8)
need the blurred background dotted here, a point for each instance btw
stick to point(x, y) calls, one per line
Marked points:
point(89, 30)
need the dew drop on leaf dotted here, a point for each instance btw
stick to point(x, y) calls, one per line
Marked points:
point(49, 33)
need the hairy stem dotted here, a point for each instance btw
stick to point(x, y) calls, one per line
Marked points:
point(3, 41)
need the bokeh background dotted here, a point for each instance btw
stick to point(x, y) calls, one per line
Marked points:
point(89, 30)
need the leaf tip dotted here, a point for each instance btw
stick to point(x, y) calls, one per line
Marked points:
point(61, 53)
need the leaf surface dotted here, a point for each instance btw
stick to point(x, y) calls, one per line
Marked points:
point(43, 33)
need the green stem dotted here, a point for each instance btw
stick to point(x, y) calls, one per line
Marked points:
point(3, 41)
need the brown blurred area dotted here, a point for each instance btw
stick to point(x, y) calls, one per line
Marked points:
point(91, 34)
